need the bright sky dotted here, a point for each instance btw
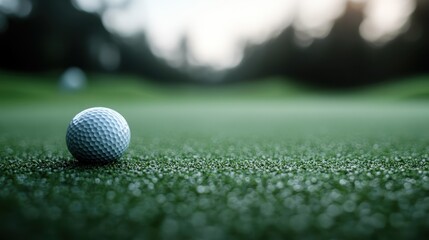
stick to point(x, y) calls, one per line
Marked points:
point(217, 30)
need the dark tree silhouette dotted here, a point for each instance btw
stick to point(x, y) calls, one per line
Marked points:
point(343, 58)
point(57, 36)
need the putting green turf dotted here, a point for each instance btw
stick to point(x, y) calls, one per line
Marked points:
point(277, 168)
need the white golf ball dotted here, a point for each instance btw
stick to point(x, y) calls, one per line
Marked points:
point(98, 135)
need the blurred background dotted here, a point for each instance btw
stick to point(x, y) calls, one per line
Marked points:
point(322, 44)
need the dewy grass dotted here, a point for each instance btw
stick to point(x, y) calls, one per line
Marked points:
point(320, 169)
point(282, 172)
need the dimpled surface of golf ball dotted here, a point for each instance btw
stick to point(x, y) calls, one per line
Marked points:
point(98, 135)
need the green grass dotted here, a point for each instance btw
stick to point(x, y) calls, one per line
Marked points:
point(199, 167)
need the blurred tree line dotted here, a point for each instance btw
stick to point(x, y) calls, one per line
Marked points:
point(56, 35)
point(343, 58)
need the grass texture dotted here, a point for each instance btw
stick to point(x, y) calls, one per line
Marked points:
point(252, 169)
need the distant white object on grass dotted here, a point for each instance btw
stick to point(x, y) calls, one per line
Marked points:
point(72, 80)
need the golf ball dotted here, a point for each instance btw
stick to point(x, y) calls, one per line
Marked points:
point(98, 135)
